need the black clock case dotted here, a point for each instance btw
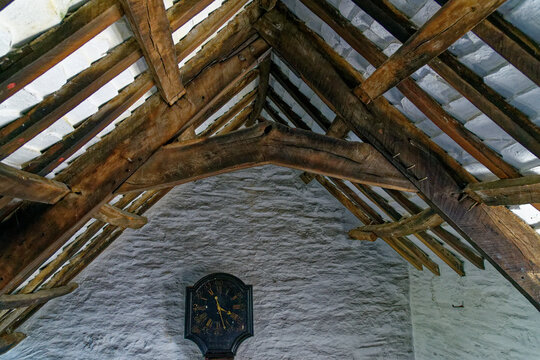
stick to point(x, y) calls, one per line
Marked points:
point(219, 353)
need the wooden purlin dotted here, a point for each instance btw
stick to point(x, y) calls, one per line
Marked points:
point(462, 79)
point(155, 118)
point(493, 230)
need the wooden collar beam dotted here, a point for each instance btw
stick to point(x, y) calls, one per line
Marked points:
point(525, 190)
point(510, 245)
point(261, 145)
point(39, 297)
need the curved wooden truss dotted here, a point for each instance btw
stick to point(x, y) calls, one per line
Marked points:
point(160, 145)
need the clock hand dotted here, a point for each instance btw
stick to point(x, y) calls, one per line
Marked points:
point(219, 311)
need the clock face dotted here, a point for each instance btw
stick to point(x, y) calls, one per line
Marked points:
point(219, 311)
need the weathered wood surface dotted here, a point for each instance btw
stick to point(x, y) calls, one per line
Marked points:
point(20, 184)
point(423, 221)
point(510, 43)
point(9, 340)
point(38, 297)
point(524, 190)
point(202, 31)
point(118, 217)
point(229, 114)
point(512, 246)
point(464, 80)
point(444, 28)
point(261, 145)
point(264, 78)
point(446, 236)
point(395, 244)
point(151, 27)
point(53, 107)
point(237, 122)
point(22, 66)
point(454, 262)
point(40, 231)
point(268, 4)
point(299, 97)
point(424, 102)
point(183, 11)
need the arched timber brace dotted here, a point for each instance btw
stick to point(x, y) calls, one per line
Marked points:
point(510, 245)
point(266, 143)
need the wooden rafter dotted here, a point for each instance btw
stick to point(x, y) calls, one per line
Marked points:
point(260, 145)
point(525, 190)
point(150, 25)
point(423, 221)
point(9, 340)
point(237, 122)
point(450, 23)
point(19, 68)
point(118, 217)
point(27, 186)
point(152, 124)
point(493, 230)
point(39, 297)
point(462, 79)
point(264, 77)
point(510, 43)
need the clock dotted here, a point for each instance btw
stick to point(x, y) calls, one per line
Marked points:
point(219, 315)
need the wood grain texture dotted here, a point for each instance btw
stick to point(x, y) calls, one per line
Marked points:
point(264, 78)
point(450, 23)
point(229, 114)
point(20, 184)
point(118, 217)
point(423, 221)
point(151, 27)
point(118, 155)
point(465, 81)
point(22, 66)
point(510, 43)
point(524, 190)
point(261, 145)
point(38, 297)
point(512, 246)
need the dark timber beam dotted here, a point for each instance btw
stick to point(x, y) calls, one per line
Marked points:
point(21, 67)
point(260, 145)
point(444, 28)
point(9, 340)
point(511, 246)
point(37, 232)
point(423, 221)
point(461, 78)
point(20, 184)
point(151, 27)
point(39, 297)
point(118, 217)
point(264, 77)
point(524, 190)
point(510, 43)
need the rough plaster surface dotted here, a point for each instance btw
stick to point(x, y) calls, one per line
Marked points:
point(317, 294)
point(480, 316)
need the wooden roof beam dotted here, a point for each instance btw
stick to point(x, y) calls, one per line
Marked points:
point(264, 78)
point(21, 67)
point(39, 297)
point(237, 122)
point(524, 190)
point(444, 28)
point(149, 23)
point(117, 156)
point(510, 43)
point(510, 245)
point(423, 221)
point(461, 78)
point(118, 217)
point(9, 340)
point(20, 184)
point(260, 145)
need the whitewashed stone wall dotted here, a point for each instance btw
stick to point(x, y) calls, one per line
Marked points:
point(317, 294)
point(479, 316)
